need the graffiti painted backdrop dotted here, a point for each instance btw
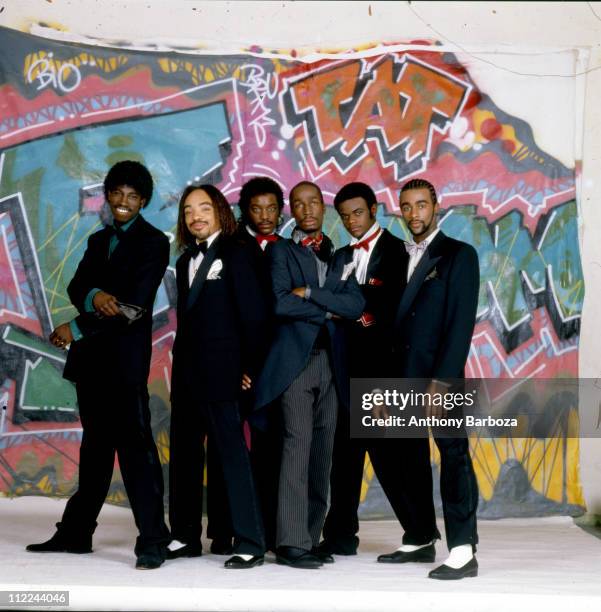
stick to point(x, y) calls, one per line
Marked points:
point(68, 112)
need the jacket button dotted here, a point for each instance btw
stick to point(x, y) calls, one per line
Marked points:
point(407, 346)
point(413, 314)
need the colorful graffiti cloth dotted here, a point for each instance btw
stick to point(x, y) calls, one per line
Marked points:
point(69, 111)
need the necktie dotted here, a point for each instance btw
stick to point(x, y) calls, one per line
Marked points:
point(269, 238)
point(198, 247)
point(414, 248)
point(314, 243)
point(364, 244)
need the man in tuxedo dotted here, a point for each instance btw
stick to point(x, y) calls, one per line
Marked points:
point(261, 203)
point(433, 327)
point(378, 257)
point(306, 366)
point(218, 349)
point(109, 361)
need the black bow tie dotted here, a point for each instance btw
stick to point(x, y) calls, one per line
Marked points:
point(198, 247)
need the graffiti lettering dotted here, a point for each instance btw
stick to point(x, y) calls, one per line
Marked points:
point(398, 104)
point(67, 78)
point(260, 86)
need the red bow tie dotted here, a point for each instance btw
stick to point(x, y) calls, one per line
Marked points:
point(268, 238)
point(314, 243)
point(364, 244)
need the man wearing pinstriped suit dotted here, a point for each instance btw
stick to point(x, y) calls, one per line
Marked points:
point(306, 367)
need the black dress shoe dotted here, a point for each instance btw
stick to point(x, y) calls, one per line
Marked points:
point(149, 561)
point(237, 562)
point(60, 542)
point(297, 557)
point(444, 572)
point(222, 547)
point(346, 547)
point(189, 550)
point(322, 555)
point(421, 555)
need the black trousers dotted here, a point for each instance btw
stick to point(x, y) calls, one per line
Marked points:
point(191, 421)
point(219, 520)
point(458, 491)
point(265, 455)
point(117, 419)
point(402, 467)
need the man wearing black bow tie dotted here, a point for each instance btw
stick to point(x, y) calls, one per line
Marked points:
point(433, 327)
point(109, 361)
point(378, 257)
point(218, 349)
point(306, 366)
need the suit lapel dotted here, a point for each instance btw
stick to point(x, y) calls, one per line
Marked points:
point(201, 274)
point(429, 259)
point(376, 255)
point(306, 263)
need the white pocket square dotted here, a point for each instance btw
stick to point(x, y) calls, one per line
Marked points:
point(214, 270)
point(347, 271)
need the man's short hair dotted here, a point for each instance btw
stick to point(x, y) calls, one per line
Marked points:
point(220, 205)
point(420, 184)
point(356, 190)
point(257, 186)
point(306, 184)
point(130, 173)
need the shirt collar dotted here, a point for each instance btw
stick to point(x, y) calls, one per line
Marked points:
point(127, 225)
point(298, 235)
point(429, 239)
point(370, 232)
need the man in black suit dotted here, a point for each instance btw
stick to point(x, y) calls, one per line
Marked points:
point(109, 361)
point(261, 204)
point(218, 349)
point(434, 324)
point(378, 257)
point(306, 366)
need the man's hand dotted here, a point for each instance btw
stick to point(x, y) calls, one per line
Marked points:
point(433, 389)
point(106, 304)
point(61, 336)
point(246, 382)
point(300, 292)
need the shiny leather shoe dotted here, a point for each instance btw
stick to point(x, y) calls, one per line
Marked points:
point(421, 555)
point(221, 547)
point(444, 572)
point(322, 555)
point(147, 561)
point(237, 562)
point(189, 550)
point(297, 557)
point(60, 542)
point(347, 547)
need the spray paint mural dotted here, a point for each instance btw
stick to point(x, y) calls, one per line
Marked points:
point(68, 112)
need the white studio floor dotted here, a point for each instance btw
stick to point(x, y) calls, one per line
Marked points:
point(525, 564)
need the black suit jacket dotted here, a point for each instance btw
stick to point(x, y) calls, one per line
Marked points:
point(436, 314)
point(370, 338)
point(221, 324)
point(259, 257)
point(299, 320)
point(113, 350)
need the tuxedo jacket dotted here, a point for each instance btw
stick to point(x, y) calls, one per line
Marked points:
point(259, 258)
point(370, 337)
point(112, 349)
point(221, 324)
point(299, 320)
point(436, 314)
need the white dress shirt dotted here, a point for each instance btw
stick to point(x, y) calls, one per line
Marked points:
point(361, 256)
point(414, 259)
point(196, 261)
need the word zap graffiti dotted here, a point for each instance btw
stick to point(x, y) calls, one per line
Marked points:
point(68, 112)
